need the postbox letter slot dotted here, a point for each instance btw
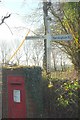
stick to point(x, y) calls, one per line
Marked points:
point(16, 96)
point(17, 83)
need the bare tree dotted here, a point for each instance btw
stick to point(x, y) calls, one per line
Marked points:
point(19, 54)
point(5, 52)
point(54, 57)
point(28, 51)
point(37, 55)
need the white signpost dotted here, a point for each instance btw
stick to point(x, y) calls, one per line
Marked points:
point(49, 38)
point(48, 35)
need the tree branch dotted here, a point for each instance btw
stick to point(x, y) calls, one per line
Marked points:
point(9, 28)
point(53, 13)
point(3, 21)
point(5, 17)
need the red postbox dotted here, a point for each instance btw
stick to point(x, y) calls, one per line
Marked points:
point(16, 97)
point(21, 97)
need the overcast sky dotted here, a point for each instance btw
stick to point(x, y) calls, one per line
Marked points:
point(18, 9)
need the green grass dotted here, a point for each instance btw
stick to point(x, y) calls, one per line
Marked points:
point(69, 74)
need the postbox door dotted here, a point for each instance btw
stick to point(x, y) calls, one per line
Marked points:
point(16, 97)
